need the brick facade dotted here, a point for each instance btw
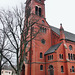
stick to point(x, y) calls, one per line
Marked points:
point(55, 48)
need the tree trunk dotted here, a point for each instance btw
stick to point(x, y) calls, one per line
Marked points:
point(0, 67)
point(0, 60)
point(18, 72)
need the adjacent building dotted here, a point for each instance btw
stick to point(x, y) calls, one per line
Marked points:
point(6, 72)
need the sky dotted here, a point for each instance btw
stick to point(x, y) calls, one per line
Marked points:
point(57, 11)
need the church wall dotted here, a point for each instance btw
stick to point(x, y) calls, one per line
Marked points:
point(61, 51)
point(69, 65)
point(54, 64)
point(71, 62)
point(57, 62)
point(61, 61)
point(68, 43)
point(54, 57)
point(50, 38)
point(35, 69)
point(38, 47)
point(55, 38)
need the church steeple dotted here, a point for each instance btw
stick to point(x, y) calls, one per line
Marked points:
point(36, 7)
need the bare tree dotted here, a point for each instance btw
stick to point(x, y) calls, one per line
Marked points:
point(2, 48)
point(19, 32)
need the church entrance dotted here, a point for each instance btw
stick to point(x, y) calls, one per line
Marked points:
point(51, 70)
point(23, 70)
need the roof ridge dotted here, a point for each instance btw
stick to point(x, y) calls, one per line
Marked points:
point(64, 30)
point(68, 35)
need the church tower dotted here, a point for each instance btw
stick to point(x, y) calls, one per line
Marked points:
point(36, 7)
point(52, 51)
point(35, 11)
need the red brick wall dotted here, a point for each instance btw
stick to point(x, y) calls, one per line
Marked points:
point(51, 38)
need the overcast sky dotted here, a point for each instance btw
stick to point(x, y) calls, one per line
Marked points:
point(57, 11)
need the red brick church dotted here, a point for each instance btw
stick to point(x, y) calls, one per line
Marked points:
point(54, 52)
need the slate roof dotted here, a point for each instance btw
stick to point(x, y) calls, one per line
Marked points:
point(68, 36)
point(52, 49)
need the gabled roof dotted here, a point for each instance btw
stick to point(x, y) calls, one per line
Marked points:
point(52, 49)
point(68, 36)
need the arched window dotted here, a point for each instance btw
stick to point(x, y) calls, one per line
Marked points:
point(69, 56)
point(52, 57)
point(73, 56)
point(62, 56)
point(45, 30)
point(51, 67)
point(40, 55)
point(41, 67)
point(42, 21)
point(40, 29)
point(70, 47)
point(36, 10)
point(39, 11)
point(72, 68)
point(51, 70)
point(62, 69)
point(48, 57)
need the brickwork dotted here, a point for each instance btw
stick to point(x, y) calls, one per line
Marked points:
point(59, 63)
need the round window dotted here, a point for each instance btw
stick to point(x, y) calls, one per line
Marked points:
point(70, 47)
point(43, 41)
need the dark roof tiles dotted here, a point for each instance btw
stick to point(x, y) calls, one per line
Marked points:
point(52, 49)
point(68, 35)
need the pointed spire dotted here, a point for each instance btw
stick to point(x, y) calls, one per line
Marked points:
point(62, 35)
point(61, 28)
